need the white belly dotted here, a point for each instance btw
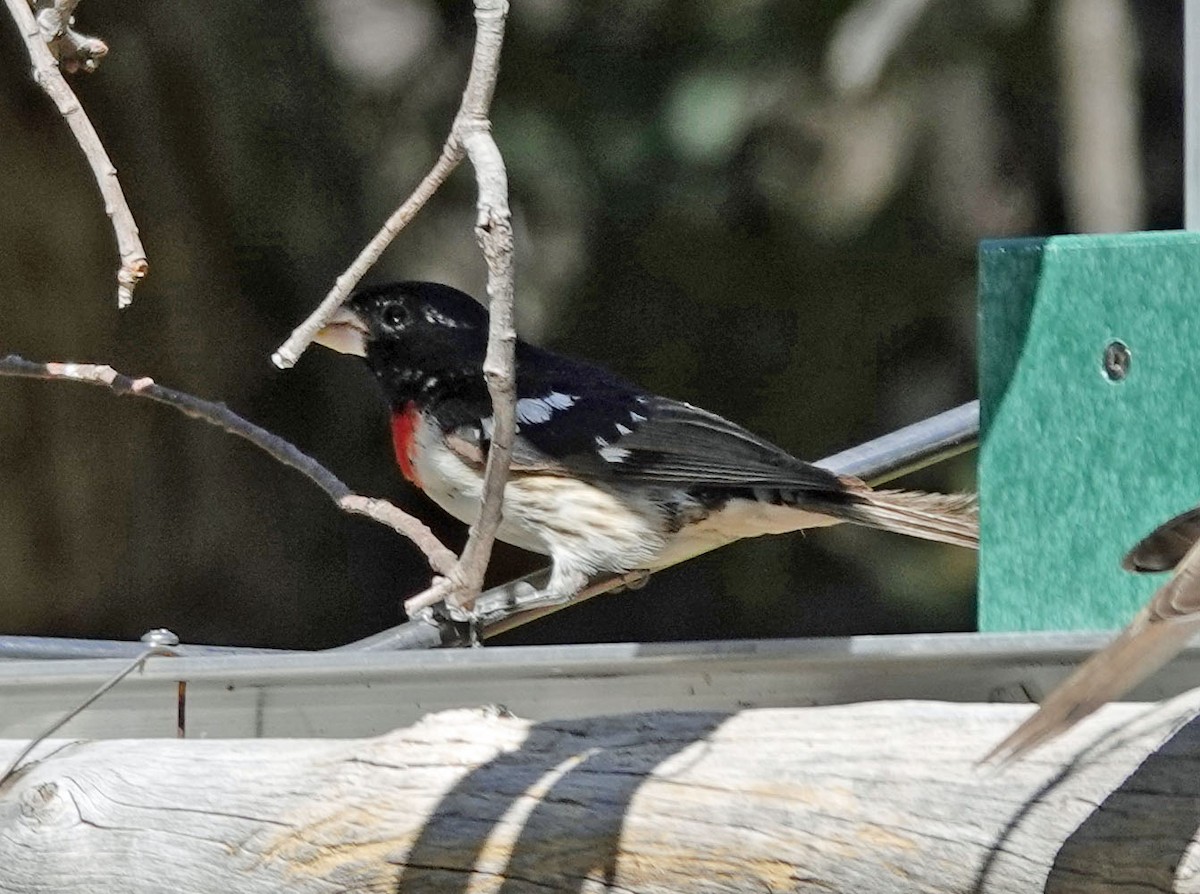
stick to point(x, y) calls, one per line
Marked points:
point(569, 520)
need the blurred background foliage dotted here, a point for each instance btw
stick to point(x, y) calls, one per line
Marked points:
point(767, 207)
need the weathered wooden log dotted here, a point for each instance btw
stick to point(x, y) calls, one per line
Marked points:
point(863, 798)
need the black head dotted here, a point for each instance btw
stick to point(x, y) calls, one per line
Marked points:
point(417, 337)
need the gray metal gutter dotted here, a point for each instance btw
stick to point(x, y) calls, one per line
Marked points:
point(348, 694)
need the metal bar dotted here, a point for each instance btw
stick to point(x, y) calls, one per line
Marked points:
point(1191, 114)
point(910, 448)
point(907, 449)
point(420, 634)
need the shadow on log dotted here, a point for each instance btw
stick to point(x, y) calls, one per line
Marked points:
point(1141, 832)
point(858, 798)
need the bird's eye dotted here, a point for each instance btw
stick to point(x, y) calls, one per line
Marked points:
point(396, 316)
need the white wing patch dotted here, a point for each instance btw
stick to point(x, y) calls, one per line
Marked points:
point(611, 454)
point(534, 410)
point(614, 454)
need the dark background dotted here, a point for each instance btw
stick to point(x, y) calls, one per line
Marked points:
point(767, 207)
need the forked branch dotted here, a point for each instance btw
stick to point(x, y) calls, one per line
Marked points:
point(470, 136)
point(441, 559)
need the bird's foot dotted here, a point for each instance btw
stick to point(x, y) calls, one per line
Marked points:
point(521, 596)
point(635, 581)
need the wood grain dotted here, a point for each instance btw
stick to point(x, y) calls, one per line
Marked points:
point(875, 797)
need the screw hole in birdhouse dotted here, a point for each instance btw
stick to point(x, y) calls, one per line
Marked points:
point(1116, 361)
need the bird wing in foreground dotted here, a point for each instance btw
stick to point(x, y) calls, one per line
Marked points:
point(1156, 635)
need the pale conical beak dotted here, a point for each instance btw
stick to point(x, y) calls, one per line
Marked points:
point(345, 332)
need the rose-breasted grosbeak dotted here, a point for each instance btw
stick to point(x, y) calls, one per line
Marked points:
point(605, 477)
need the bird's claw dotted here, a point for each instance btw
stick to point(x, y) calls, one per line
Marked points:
point(496, 606)
point(520, 597)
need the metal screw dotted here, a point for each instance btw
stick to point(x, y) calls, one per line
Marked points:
point(1116, 361)
point(160, 636)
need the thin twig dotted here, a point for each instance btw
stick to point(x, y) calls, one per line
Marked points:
point(47, 74)
point(471, 118)
point(441, 559)
point(480, 84)
point(435, 593)
point(478, 92)
point(289, 352)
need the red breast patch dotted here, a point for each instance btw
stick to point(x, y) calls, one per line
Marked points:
point(404, 429)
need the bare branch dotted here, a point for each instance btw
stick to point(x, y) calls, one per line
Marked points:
point(435, 594)
point(289, 352)
point(441, 559)
point(46, 72)
point(470, 135)
point(493, 228)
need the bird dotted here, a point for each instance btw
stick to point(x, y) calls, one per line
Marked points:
point(606, 477)
point(1157, 633)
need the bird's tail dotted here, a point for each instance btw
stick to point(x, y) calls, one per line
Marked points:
point(946, 518)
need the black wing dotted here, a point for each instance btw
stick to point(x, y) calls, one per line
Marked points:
point(674, 443)
point(582, 420)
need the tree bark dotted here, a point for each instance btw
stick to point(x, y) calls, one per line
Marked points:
point(863, 798)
